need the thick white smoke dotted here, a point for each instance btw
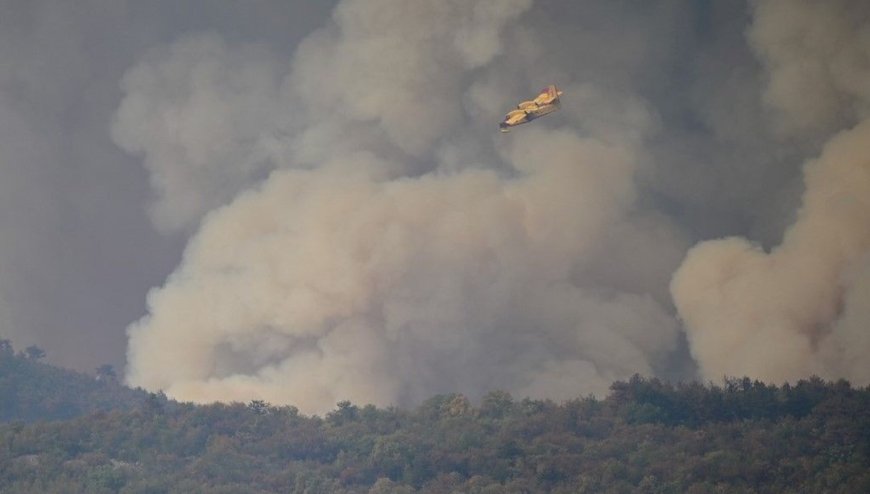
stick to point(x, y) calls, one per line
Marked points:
point(340, 283)
point(800, 308)
point(198, 112)
point(211, 120)
point(391, 254)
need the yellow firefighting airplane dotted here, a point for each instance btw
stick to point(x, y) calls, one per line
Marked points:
point(546, 102)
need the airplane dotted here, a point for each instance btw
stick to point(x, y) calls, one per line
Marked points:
point(546, 102)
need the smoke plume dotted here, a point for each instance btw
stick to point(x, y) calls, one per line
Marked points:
point(797, 309)
point(359, 231)
point(388, 256)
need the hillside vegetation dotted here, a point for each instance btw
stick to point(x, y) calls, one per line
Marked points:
point(646, 436)
point(31, 390)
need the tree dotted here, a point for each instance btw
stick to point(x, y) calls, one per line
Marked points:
point(387, 486)
point(259, 407)
point(497, 404)
point(6, 347)
point(33, 352)
point(345, 412)
point(153, 404)
point(106, 372)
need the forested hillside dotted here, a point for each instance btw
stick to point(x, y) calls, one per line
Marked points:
point(31, 390)
point(646, 436)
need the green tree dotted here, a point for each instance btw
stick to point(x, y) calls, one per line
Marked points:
point(497, 404)
point(345, 412)
point(106, 372)
point(33, 352)
point(259, 407)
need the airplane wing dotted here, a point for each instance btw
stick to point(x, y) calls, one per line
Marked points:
point(548, 96)
point(546, 102)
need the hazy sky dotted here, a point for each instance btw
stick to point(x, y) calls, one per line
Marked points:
point(305, 202)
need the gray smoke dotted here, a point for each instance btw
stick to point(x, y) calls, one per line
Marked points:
point(797, 309)
point(356, 227)
point(389, 256)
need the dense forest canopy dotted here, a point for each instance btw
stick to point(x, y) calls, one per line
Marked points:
point(645, 436)
point(31, 390)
